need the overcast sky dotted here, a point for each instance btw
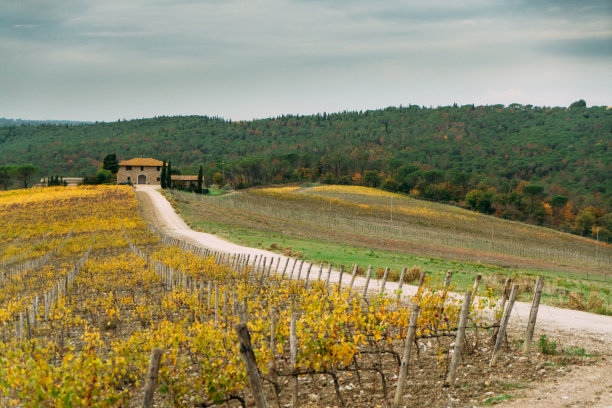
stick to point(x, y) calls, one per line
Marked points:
point(112, 59)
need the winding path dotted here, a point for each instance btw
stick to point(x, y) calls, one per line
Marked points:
point(548, 316)
point(587, 385)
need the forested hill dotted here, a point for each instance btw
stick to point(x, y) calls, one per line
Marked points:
point(565, 149)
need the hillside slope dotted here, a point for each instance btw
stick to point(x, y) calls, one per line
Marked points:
point(348, 224)
point(567, 147)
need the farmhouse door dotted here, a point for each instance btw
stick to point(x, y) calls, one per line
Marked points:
point(142, 179)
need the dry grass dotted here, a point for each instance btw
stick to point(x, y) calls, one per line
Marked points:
point(354, 216)
point(413, 274)
point(287, 251)
point(344, 227)
point(594, 303)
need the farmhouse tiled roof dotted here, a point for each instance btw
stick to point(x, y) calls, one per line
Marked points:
point(141, 161)
point(180, 177)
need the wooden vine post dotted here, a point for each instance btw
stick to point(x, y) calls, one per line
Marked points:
point(384, 281)
point(299, 272)
point(285, 268)
point(447, 280)
point(293, 356)
point(465, 310)
point(329, 271)
point(422, 279)
point(250, 365)
point(533, 314)
point(504, 299)
point(353, 275)
point(307, 278)
point(368, 277)
point(399, 285)
point(414, 314)
point(293, 268)
point(504, 323)
point(272, 364)
point(151, 380)
point(340, 276)
point(475, 287)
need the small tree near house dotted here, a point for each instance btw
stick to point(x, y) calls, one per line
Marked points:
point(200, 179)
point(169, 176)
point(163, 175)
point(111, 163)
point(26, 173)
point(218, 179)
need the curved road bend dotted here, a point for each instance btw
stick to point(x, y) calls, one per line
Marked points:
point(598, 327)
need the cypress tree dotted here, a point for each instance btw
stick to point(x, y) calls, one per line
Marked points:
point(169, 176)
point(163, 175)
point(200, 180)
point(111, 163)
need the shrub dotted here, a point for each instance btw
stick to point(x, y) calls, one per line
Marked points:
point(394, 275)
point(413, 274)
point(576, 351)
point(547, 346)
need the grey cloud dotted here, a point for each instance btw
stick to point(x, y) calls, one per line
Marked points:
point(242, 58)
point(598, 47)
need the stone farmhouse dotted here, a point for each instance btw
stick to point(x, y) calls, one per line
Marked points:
point(140, 171)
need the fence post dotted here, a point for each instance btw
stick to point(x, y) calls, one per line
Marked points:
point(449, 275)
point(308, 273)
point(384, 281)
point(533, 314)
point(340, 276)
point(399, 285)
point(365, 288)
point(475, 287)
point(422, 279)
point(285, 269)
point(465, 310)
point(504, 299)
point(414, 314)
point(248, 358)
point(504, 323)
point(151, 380)
point(329, 271)
point(293, 356)
point(355, 268)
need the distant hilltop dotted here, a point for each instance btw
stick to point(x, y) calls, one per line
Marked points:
point(4, 122)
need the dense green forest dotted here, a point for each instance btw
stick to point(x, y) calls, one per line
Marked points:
point(540, 164)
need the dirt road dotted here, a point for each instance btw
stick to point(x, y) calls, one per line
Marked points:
point(582, 329)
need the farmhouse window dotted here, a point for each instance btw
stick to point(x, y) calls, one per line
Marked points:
point(141, 168)
point(128, 167)
point(158, 179)
point(128, 178)
point(157, 168)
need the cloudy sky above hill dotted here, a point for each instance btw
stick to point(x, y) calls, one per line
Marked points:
point(105, 60)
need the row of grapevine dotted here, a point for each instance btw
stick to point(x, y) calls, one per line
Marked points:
point(121, 289)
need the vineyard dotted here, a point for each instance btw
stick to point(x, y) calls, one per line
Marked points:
point(88, 291)
point(350, 224)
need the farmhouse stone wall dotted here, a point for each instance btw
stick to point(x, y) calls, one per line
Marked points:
point(152, 174)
